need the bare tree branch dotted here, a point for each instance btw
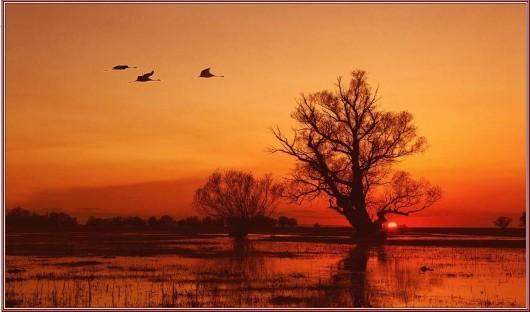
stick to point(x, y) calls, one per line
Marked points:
point(236, 194)
point(405, 196)
point(345, 147)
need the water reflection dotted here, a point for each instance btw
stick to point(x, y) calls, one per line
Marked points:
point(222, 272)
point(245, 260)
point(355, 265)
point(348, 284)
point(370, 277)
point(236, 280)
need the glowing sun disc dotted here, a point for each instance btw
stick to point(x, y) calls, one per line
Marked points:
point(391, 225)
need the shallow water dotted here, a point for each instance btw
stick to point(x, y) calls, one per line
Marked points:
point(215, 271)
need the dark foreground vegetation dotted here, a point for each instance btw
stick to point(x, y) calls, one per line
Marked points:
point(60, 234)
point(111, 244)
point(23, 220)
point(53, 261)
point(168, 270)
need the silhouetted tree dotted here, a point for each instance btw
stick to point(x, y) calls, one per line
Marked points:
point(152, 222)
point(263, 222)
point(166, 221)
point(163, 223)
point(522, 219)
point(189, 222)
point(117, 223)
point(18, 212)
point(60, 221)
point(93, 222)
point(209, 224)
point(237, 197)
point(502, 222)
point(345, 147)
point(283, 221)
point(22, 219)
point(134, 222)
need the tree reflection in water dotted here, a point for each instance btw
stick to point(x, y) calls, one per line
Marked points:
point(236, 271)
point(348, 284)
point(245, 260)
point(355, 264)
point(367, 276)
point(375, 277)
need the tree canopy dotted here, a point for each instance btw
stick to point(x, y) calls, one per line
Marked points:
point(345, 147)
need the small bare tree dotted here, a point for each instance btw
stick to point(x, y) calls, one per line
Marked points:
point(237, 197)
point(502, 222)
point(345, 148)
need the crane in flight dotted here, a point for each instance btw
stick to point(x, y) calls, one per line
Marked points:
point(122, 67)
point(146, 77)
point(205, 73)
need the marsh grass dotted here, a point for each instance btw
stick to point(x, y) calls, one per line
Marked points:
point(219, 272)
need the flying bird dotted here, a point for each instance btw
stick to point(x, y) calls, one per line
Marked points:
point(146, 77)
point(122, 67)
point(205, 73)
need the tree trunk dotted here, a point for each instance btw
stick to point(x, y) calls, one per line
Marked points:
point(238, 227)
point(365, 229)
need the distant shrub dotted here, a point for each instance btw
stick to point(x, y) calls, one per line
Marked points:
point(19, 219)
point(502, 222)
point(238, 198)
point(284, 221)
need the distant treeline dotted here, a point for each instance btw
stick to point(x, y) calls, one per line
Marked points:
point(23, 220)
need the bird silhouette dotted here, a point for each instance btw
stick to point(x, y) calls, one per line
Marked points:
point(122, 67)
point(205, 73)
point(146, 77)
point(424, 269)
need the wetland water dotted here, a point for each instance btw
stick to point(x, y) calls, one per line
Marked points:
point(157, 270)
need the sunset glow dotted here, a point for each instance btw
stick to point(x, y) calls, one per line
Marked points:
point(252, 155)
point(81, 139)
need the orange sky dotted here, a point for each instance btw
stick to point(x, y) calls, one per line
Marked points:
point(84, 140)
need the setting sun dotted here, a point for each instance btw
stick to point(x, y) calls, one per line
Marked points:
point(391, 225)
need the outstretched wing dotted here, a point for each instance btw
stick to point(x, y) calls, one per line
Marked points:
point(147, 75)
point(205, 72)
